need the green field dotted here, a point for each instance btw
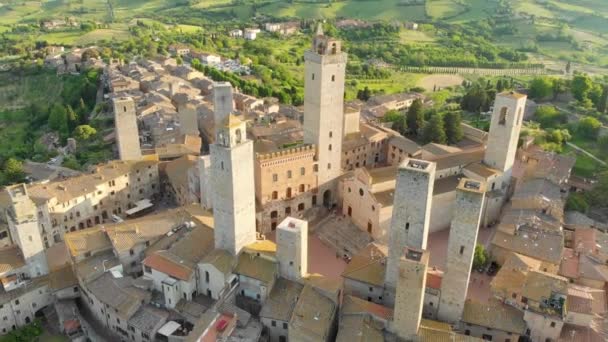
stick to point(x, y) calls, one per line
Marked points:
point(438, 9)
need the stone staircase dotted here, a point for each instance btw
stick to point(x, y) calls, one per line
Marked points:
point(342, 235)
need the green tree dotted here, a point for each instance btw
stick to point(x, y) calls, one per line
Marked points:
point(415, 117)
point(549, 116)
point(13, 170)
point(541, 87)
point(480, 257)
point(581, 84)
point(72, 118)
point(84, 132)
point(577, 202)
point(602, 103)
point(588, 127)
point(453, 128)
point(71, 163)
point(434, 131)
point(58, 119)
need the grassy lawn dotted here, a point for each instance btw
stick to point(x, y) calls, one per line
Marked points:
point(188, 28)
point(411, 36)
point(531, 7)
point(478, 9)
point(365, 9)
point(398, 82)
point(438, 9)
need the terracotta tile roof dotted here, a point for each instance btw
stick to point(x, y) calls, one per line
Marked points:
point(405, 144)
point(591, 269)
point(118, 293)
point(257, 267)
point(353, 305)
point(434, 279)
point(433, 331)
point(358, 328)
point(569, 265)
point(62, 278)
point(540, 285)
point(87, 241)
point(587, 300)
point(313, 315)
point(71, 188)
point(585, 240)
point(282, 300)
point(164, 263)
point(494, 315)
point(463, 158)
point(11, 259)
point(368, 266)
point(221, 259)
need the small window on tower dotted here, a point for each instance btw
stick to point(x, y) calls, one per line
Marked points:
point(461, 250)
point(329, 166)
point(333, 78)
point(331, 134)
point(124, 108)
point(329, 147)
point(502, 120)
point(407, 226)
point(313, 77)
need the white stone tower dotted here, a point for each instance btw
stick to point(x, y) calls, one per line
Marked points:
point(23, 225)
point(223, 103)
point(204, 170)
point(292, 248)
point(127, 133)
point(232, 183)
point(504, 132)
point(411, 216)
point(324, 73)
point(461, 247)
point(188, 119)
point(409, 298)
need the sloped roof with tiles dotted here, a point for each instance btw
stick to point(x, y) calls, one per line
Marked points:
point(569, 265)
point(221, 259)
point(591, 269)
point(354, 306)
point(118, 293)
point(87, 241)
point(62, 278)
point(548, 247)
point(11, 259)
point(586, 300)
point(313, 314)
point(359, 328)
point(405, 144)
point(495, 315)
point(459, 159)
point(433, 331)
point(368, 266)
point(149, 319)
point(74, 187)
point(256, 267)
point(481, 170)
point(282, 300)
point(540, 285)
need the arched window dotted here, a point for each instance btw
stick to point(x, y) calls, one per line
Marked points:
point(238, 136)
point(329, 147)
point(274, 214)
point(302, 188)
point(287, 211)
point(207, 276)
point(334, 48)
point(288, 193)
point(502, 120)
point(301, 206)
point(275, 195)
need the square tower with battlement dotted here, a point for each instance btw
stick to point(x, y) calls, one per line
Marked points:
point(292, 248)
point(461, 248)
point(411, 216)
point(232, 181)
point(409, 297)
point(324, 75)
point(505, 126)
point(125, 126)
point(22, 220)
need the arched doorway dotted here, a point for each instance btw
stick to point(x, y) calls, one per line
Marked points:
point(327, 198)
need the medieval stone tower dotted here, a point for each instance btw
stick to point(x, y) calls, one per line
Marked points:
point(461, 247)
point(409, 297)
point(127, 133)
point(23, 224)
point(232, 181)
point(292, 248)
point(411, 216)
point(324, 72)
point(504, 132)
point(188, 119)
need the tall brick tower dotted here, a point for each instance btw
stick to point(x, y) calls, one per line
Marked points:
point(461, 248)
point(324, 74)
point(411, 216)
point(232, 180)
